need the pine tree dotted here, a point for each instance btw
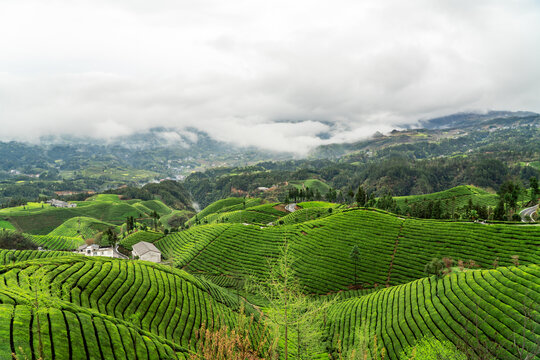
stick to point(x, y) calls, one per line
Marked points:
point(355, 256)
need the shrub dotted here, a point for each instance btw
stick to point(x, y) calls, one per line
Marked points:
point(434, 267)
point(15, 241)
point(432, 349)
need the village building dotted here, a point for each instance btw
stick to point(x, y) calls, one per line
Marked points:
point(146, 251)
point(96, 250)
point(61, 204)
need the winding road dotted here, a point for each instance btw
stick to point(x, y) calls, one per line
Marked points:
point(526, 214)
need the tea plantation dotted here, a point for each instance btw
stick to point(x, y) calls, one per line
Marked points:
point(487, 311)
point(393, 250)
point(58, 305)
point(80, 308)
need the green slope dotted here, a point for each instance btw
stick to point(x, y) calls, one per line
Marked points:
point(223, 206)
point(454, 198)
point(84, 227)
point(313, 184)
point(132, 239)
point(157, 206)
point(491, 306)
point(9, 256)
point(112, 309)
point(393, 250)
point(4, 224)
point(54, 242)
point(43, 221)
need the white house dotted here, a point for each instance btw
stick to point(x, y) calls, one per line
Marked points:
point(95, 250)
point(61, 204)
point(146, 251)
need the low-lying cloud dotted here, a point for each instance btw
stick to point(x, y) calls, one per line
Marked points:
point(279, 75)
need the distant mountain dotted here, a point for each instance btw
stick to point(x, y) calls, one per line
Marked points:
point(470, 119)
point(456, 129)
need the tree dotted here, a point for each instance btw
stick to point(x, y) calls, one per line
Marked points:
point(361, 196)
point(351, 195)
point(533, 182)
point(499, 212)
point(290, 308)
point(355, 256)
point(111, 237)
point(510, 192)
point(434, 267)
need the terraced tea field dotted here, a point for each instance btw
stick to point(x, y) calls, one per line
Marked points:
point(57, 305)
point(10, 256)
point(107, 309)
point(490, 311)
point(83, 227)
point(52, 242)
point(454, 198)
point(103, 208)
point(132, 239)
point(393, 250)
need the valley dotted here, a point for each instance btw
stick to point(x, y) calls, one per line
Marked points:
point(398, 245)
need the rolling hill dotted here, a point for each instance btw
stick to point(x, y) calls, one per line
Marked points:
point(84, 227)
point(74, 307)
point(393, 250)
point(487, 311)
point(97, 212)
point(452, 199)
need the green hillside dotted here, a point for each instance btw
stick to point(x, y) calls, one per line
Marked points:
point(260, 214)
point(9, 256)
point(94, 308)
point(225, 205)
point(486, 310)
point(452, 199)
point(54, 242)
point(313, 184)
point(105, 197)
point(42, 221)
point(4, 224)
point(175, 218)
point(132, 239)
point(392, 250)
point(220, 209)
point(309, 213)
point(157, 206)
point(84, 227)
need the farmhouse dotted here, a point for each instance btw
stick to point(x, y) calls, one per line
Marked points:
point(61, 204)
point(147, 251)
point(95, 250)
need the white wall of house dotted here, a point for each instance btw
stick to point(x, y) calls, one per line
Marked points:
point(107, 252)
point(151, 256)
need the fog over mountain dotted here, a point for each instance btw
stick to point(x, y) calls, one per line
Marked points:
point(278, 75)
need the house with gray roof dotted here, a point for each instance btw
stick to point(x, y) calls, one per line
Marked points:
point(146, 251)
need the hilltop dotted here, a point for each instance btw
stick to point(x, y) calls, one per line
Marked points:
point(393, 250)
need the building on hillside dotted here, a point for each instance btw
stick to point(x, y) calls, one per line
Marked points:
point(96, 250)
point(146, 251)
point(61, 204)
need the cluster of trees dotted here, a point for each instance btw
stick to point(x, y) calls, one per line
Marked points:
point(307, 194)
point(170, 192)
point(130, 224)
point(439, 209)
point(395, 173)
point(16, 241)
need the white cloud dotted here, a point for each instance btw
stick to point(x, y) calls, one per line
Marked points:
point(239, 69)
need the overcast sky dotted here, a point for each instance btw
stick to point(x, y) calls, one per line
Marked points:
point(275, 74)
